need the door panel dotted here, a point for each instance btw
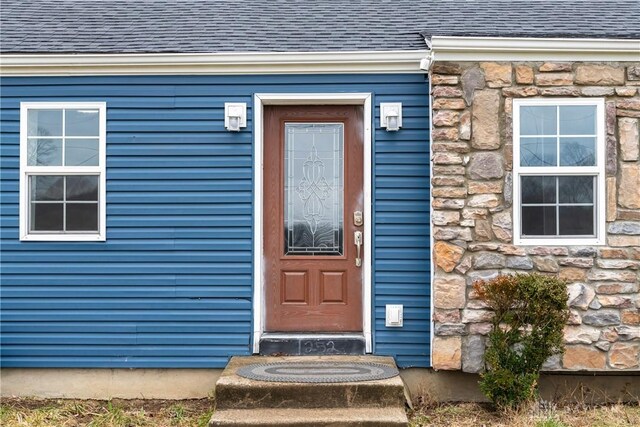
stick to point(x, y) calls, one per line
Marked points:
point(313, 183)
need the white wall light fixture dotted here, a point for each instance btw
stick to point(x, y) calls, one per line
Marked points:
point(235, 116)
point(391, 115)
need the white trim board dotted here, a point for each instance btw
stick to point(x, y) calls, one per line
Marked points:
point(533, 49)
point(598, 170)
point(26, 170)
point(398, 61)
point(259, 101)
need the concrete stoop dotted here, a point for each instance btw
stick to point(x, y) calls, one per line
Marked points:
point(244, 402)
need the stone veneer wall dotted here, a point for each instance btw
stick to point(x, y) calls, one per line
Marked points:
point(472, 211)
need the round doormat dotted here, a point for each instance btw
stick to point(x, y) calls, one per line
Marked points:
point(317, 372)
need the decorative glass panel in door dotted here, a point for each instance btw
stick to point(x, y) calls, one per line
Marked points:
point(313, 188)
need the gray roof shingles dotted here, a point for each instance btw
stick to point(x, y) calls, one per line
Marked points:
point(154, 26)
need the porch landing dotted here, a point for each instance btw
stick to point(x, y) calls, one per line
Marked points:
point(244, 402)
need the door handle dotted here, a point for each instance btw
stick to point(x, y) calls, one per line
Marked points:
point(357, 237)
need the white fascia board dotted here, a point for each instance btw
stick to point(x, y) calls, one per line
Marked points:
point(399, 61)
point(533, 49)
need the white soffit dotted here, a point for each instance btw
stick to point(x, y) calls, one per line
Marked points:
point(403, 61)
point(533, 49)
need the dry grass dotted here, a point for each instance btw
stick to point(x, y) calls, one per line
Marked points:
point(542, 414)
point(113, 413)
point(196, 413)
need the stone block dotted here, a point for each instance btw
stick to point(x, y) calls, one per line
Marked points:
point(448, 181)
point(485, 120)
point(447, 353)
point(629, 139)
point(581, 334)
point(583, 251)
point(488, 260)
point(446, 118)
point(546, 264)
point(449, 192)
point(580, 295)
point(445, 134)
point(497, 74)
point(555, 66)
point(447, 255)
point(628, 104)
point(616, 301)
point(449, 169)
point(476, 316)
point(629, 214)
point(560, 91)
point(446, 92)
point(440, 79)
point(520, 92)
point(465, 125)
point(483, 231)
point(577, 357)
point(519, 263)
point(623, 241)
point(446, 316)
point(554, 79)
point(445, 217)
point(485, 187)
point(631, 317)
point(612, 209)
point(450, 329)
point(612, 275)
point(473, 347)
point(486, 165)
point(599, 75)
point(628, 333)
point(449, 104)
point(610, 119)
point(572, 274)
point(633, 72)
point(446, 68)
point(597, 91)
point(449, 291)
point(624, 355)
point(576, 262)
point(626, 91)
point(483, 201)
point(607, 288)
point(604, 317)
point(502, 226)
point(548, 250)
point(617, 264)
point(452, 233)
point(472, 80)
point(442, 203)
point(447, 159)
point(524, 74)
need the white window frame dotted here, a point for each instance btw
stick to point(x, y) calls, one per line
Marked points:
point(598, 170)
point(26, 171)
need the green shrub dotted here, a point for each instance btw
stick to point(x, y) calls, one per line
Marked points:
point(527, 328)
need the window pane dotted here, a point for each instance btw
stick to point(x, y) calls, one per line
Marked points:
point(44, 122)
point(46, 216)
point(82, 217)
point(46, 187)
point(81, 123)
point(578, 120)
point(577, 151)
point(538, 152)
point(82, 187)
point(81, 152)
point(538, 220)
point(575, 189)
point(538, 189)
point(538, 120)
point(313, 189)
point(576, 220)
point(44, 152)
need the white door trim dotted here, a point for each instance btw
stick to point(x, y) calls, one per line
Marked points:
point(259, 101)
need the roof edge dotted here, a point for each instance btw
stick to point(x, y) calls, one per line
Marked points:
point(399, 61)
point(447, 48)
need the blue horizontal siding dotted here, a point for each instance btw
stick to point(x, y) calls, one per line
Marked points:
point(172, 285)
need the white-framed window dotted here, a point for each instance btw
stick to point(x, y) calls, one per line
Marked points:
point(559, 171)
point(63, 171)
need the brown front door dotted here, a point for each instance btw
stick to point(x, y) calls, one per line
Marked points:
point(313, 185)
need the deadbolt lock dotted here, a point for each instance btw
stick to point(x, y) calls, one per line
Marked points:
point(357, 218)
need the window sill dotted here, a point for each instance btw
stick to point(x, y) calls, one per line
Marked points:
point(63, 238)
point(589, 241)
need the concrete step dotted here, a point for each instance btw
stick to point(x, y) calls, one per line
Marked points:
point(235, 392)
point(364, 417)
